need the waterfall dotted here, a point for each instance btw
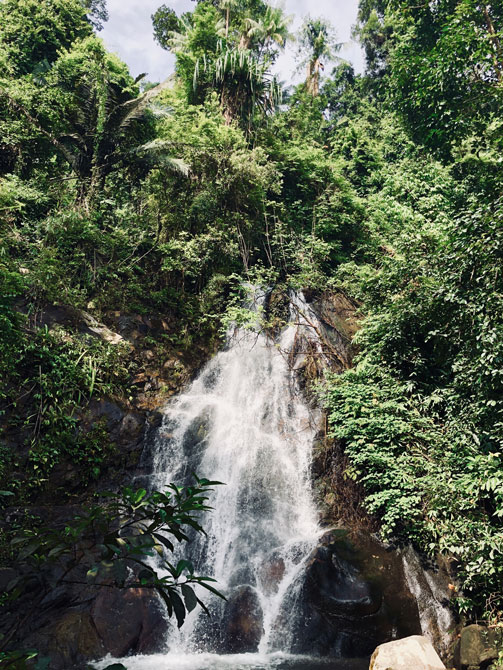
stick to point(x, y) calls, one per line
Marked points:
point(244, 422)
point(292, 587)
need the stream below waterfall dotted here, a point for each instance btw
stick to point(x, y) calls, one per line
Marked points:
point(245, 422)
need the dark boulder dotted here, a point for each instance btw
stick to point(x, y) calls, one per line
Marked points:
point(271, 574)
point(478, 647)
point(128, 620)
point(352, 597)
point(73, 640)
point(242, 626)
point(76, 626)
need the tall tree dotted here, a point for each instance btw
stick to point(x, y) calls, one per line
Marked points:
point(374, 30)
point(165, 22)
point(32, 33)
point(228, 48)
point(317, 46)
point(268, 30)
point(89, 111)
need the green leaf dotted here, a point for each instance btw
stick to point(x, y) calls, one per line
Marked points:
point(189, 596)
point(178, 607)
point(184, 565)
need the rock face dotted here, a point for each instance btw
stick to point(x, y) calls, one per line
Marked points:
point(242, 624)
point(430, 586)
point(114, 622)
point(128, 619)
point(354, 597)
point(411, 653)
point(74, 638)
point(478, 646)
point(235, 626)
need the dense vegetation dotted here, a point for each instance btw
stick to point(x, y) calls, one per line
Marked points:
point(119, 195)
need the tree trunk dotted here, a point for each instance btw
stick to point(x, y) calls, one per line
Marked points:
point(496, 45)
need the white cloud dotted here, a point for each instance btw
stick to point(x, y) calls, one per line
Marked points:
point(129, 33)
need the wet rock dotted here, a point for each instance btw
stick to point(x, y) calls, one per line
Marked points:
point(410, 653)
point(338, 324)
point(353, 597)
point(271, 574)
point(338, 588)
point(131, 425)
point(242, 625)
point(478, 646)
point(430, 583)
point(73, 640)
point(128, 620)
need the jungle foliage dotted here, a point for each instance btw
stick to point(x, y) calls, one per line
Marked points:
point(117, 196)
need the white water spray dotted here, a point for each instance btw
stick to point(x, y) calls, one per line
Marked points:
point(244, 422)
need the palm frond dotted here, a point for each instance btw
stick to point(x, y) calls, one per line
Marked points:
point(134, 109)
point(157, 151)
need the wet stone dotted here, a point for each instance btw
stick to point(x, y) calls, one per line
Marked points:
point(353, 597)
point(242, 626)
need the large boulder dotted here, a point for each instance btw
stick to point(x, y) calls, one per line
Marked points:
point(73, 640)
point(128, 620)
point(74, 627)
point(410, 653)
point(351, 597)
point(431, 584)
point(479, 645)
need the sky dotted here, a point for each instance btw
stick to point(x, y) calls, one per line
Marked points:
point(129, 34)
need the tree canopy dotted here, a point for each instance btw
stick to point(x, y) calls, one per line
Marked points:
point(154, 205)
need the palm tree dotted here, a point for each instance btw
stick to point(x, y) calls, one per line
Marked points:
point(268, 29)
point(98, 125)
point(103, 131)
point(235, 64)
point(245, 85)
point(318, 40)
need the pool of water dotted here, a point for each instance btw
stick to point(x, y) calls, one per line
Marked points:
point(277, 661)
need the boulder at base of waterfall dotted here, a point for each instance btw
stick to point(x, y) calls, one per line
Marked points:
point(411, 652)
point(128, 620)
point(351, 597)
point(479, 645)
point(73, 640)
point(271, 574)
point(242, 626)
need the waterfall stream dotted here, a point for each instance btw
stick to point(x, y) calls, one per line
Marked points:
point(244, 422)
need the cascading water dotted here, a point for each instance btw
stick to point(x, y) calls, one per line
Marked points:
point(244, 422)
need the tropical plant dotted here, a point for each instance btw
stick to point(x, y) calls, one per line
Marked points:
point(96, 118)
point(447, 68)
point(269, 29)
point(231, 55)
point(317, 46)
